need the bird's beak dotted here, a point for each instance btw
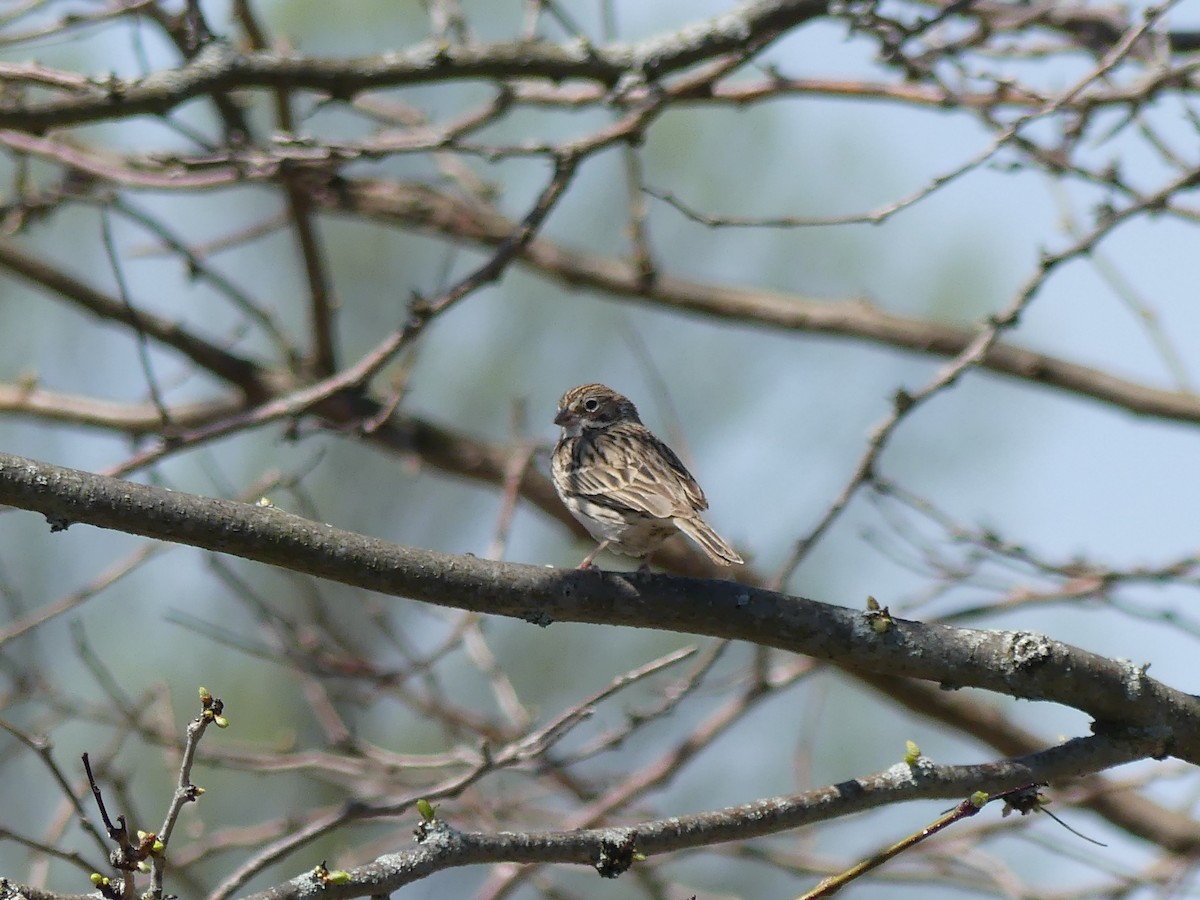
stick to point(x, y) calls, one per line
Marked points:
point(565, 417)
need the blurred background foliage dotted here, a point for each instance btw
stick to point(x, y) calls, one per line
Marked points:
point(772, 422)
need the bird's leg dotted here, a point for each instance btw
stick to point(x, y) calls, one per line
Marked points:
point(587, 562)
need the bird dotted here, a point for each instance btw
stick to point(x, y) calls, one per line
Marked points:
point(627, 488)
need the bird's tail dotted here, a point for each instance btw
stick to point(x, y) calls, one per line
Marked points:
point(708, 540)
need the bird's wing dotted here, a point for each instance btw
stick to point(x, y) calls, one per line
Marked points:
point(627, 466)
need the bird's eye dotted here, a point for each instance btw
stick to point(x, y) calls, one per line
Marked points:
point(591, 404)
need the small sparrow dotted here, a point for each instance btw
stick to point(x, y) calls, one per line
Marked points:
point(628, 488)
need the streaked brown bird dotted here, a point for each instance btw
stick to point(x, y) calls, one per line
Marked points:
point(628, 488)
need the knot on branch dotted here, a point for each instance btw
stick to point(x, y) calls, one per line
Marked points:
point(616, 854)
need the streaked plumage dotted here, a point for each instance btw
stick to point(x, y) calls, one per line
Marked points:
point(628, 488)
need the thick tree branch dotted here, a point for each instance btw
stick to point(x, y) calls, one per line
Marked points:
point(1118, 694)
point(458, 454)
